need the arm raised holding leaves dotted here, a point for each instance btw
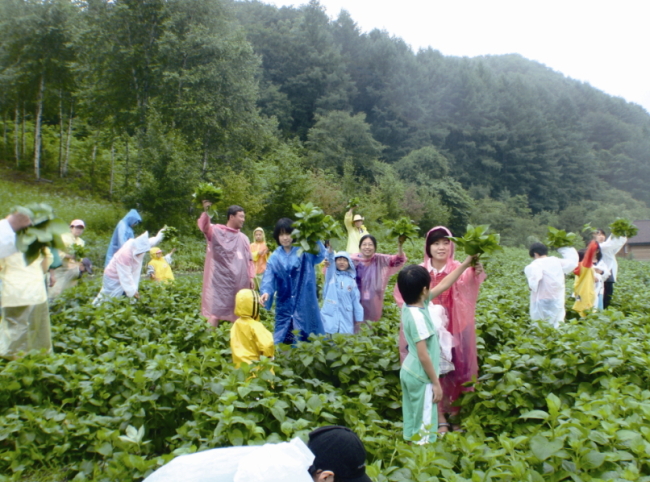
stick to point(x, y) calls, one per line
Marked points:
point(451, 278)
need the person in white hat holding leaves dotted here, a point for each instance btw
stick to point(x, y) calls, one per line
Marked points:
point(68, 272)
point(356, 229)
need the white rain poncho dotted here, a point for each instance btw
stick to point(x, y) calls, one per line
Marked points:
point(608, 250)
point(438, 315)
point(283, 462)
point(546, 280)
point(122, 275)
point(7, 239)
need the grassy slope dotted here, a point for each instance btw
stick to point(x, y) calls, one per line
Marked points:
point(100, 216)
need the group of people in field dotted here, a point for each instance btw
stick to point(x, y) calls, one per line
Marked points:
point(595, 269)
point(240, 277)
point(27, 289)
point(437, 338)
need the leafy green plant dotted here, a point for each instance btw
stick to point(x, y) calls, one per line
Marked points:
point(45, 231)
point(170, 236)
point(352, 203)
point(476, 242)
point(623, 227)
point(313, 225)
point(403, 227)
point(78, 251)
point(206, 191)
point(559, 238)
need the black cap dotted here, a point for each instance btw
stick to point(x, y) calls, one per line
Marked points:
point(88, 265)
point(340, 450)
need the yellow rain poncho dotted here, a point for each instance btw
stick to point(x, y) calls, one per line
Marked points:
point(354, 234)
point(25, 321)
point(249, 339)
point(584, 287)
point(162, 271)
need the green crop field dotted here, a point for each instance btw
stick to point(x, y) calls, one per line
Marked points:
point(571, 404)
point(133, 384)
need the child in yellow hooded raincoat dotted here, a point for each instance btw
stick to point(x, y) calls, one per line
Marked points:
point(249, 338)
point(159, 267)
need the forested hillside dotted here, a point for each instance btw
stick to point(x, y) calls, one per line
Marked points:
point(137, 101)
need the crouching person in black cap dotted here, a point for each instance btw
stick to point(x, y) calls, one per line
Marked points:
point(333, 454)
point(339, 455)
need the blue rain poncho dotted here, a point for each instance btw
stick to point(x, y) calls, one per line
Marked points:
point(123, 232)
point(341, 306)
point(291, 277)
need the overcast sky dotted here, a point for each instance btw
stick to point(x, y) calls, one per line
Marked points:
point(604, 43)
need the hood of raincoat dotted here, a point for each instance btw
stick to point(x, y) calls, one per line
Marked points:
point(427, 256)
point(132, 217)
point(263, 235)
point(141, 244)
point(351, 271)
point(153, 252)
point(247, 304)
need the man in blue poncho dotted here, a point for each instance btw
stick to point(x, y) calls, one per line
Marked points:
point(291, 277)
point(123, 232)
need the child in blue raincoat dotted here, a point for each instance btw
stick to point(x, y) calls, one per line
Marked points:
point(123, 232)
point(342, 310)
point(290, 276)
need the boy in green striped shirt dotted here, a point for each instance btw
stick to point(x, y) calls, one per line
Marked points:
point(421, 388)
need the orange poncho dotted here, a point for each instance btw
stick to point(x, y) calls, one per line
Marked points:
point(260, 253)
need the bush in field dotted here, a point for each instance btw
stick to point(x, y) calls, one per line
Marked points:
point(131, 385)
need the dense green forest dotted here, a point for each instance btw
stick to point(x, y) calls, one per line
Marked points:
point(136, 101)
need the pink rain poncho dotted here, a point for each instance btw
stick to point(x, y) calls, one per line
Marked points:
point(228, 268)
point(460, 303)
point(372, 278)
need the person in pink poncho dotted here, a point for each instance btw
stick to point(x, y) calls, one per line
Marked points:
point(460, 304)
point(228, 265)
point(373, 271)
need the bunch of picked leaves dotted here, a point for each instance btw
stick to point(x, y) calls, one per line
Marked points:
point(623, 227)
point(45, 231)
point(206, 191)
point(313, 225)
point(352, 203)
point(477, 243)
point(170, 235)
point(403, 227)
point(78, 251)
point(559, 238)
